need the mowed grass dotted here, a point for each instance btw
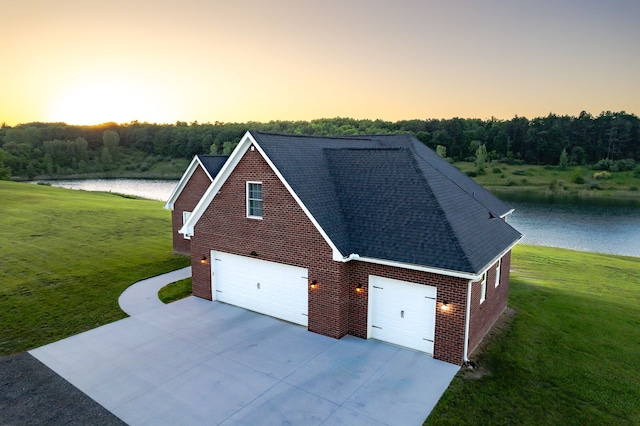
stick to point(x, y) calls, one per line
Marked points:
point(175, 291)
point(66, 256)
point(570, 356)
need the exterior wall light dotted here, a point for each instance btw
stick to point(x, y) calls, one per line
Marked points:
point(253, 253)
point(445, 306)
point(204, 261)
point(359, 288)
point(314, 285)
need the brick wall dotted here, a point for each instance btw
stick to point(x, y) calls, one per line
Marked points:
point(483, 316)
point(187, 200)
point(283, 235)
point(286, 235)
point(449, 332)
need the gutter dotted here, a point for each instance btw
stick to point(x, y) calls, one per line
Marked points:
point(439, 271)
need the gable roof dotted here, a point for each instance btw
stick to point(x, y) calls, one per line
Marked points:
point(211, 164)
point(384, 198)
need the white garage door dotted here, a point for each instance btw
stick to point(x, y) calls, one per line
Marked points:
point(402, 313)
point(270, 288)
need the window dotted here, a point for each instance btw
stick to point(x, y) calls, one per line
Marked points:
point(498, 272)
point(254, 199)
point(483, 288)
point(185, 217)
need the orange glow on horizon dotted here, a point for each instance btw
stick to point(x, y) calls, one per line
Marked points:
point(102, 99)
point(161, 62)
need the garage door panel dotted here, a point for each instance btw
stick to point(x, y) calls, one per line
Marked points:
point(270, 288)
point(403, 313)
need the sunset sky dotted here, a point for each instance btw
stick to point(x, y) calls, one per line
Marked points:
point(88, 61)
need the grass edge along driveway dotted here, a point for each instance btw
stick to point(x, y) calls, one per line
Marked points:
point(569, 355)
point(68, 255)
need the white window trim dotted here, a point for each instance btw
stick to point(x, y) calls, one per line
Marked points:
point(498, 267)
point(185, 217)
point(247, 199)
point(483, 288)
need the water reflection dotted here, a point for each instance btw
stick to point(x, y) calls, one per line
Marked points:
point(153, 189)
point(598, 228)
point(596, 225)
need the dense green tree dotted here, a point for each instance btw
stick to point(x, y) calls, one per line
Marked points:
point(228, 147)
point(5, 172)
point(481, 160)
point(563, 163)
point(111, 141)
point(105, 158)
point(52, 148)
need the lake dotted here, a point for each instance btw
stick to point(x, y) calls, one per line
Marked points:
point(153, 189)
point(595, 227)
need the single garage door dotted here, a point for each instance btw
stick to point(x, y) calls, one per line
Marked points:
point(402, 313)
point(270, 288)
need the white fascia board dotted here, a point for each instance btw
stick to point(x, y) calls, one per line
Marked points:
point(439, 271)
point(495, 259)
point(507, 213)
point(336, 255)
point(183, 181)
point(235, 157)
point(218, 181)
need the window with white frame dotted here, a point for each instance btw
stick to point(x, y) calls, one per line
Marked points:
point(483, 288)
point(254, 199)
point(498, 266)
point(185, 217)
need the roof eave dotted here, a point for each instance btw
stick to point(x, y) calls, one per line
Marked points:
point(502, 216)
point(502, 253)
point(247, 141)
point(430, 269)
point(188, 227)
point(177, 190)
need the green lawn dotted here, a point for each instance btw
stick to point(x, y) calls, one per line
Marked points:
point(175, 291)
point(507, 179)
point(571, 354)
point(66, 257)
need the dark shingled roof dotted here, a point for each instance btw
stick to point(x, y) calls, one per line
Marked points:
point(213, 163)
point(390, 197)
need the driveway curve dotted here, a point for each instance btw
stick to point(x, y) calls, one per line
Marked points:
point(143, 295)
point(199, 362)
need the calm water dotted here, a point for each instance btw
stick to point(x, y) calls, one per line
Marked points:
point(603, 229)
point(597, 228)
point(152, 189)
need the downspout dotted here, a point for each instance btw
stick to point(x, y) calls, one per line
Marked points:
point(466, 323)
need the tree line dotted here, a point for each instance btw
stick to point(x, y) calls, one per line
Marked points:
point(58, 149)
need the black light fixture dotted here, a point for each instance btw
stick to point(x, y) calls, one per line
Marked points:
point(313, 285)
point(203, 260)
point(253, 253)
point(445, 306)
point(359, 288)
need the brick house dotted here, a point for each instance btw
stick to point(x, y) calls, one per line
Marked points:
point(373, 236)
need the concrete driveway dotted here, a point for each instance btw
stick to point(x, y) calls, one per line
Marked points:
point(200, 362)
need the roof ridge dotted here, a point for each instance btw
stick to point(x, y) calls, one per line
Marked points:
point(293, 135)
point(453, 181)
point(373, 148)
point(447, 223)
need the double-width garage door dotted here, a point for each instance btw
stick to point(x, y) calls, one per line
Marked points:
point(270, 288)
point(402, 313)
